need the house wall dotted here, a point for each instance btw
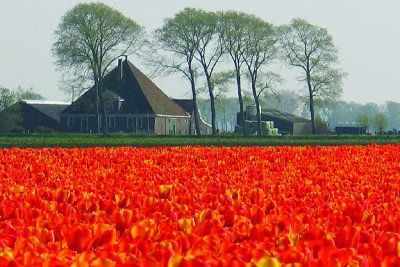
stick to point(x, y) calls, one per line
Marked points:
point(140, 123)
point(172, 125)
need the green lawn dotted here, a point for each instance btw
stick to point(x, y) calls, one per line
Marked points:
point(83, 140)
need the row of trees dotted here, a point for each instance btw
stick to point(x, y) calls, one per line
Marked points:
point(377, 118)
point(9, 97)
point(196, 41)
point(202, 46)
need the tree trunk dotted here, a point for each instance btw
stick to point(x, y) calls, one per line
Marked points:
point(239, 90)
point(194, 97)
point(311, 98)
point(103, 109)
point(96, 101)
point(256, 100)
point(212, 104)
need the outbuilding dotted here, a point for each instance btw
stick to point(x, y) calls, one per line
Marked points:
point(37, 115)
point(285, 122)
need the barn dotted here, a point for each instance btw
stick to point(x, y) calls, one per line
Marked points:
point(133, 103)
point(285, 122)
point(38, 115)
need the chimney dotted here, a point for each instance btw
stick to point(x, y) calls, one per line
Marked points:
point(121, 70)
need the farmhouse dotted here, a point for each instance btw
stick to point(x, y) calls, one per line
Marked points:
point(285, 122)
point(133, 103)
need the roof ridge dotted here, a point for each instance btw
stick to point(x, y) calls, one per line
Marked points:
point(44, 102)
point(143, 78)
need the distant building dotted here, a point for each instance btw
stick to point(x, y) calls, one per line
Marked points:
point(40, 115)
point(133, 104)
point(351, 129)
point(285, 122)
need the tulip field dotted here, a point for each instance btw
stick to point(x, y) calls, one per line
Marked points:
point(200, 206)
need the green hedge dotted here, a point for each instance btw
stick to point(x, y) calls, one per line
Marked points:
point(83, 140)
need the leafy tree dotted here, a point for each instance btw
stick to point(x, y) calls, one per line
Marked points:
point(311, 49)
point(260, 48)
point(220, 84)
point(380, 122)
point(285, 100)
point(7, 97)
point(179, 38)
point(89, 38)
point(393, 114)
point(322, 126)
point(232, 36)
point(370, 109)
point(266, 85)
point(364, 120)
point(209, 51)
point(28, 94)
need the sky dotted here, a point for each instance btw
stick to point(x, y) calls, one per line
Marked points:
point(366, 32)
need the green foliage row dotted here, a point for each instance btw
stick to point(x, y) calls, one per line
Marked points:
point(86, 140)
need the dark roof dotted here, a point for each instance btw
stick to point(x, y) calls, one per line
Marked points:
point(283, 115)
point(351, 125)
point(139, 93)
point(111, 95)
point(51, 109)
point(159, 102)
point(186, 104)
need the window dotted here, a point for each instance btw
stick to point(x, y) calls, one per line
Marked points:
point(129, 122)
point(70, 122)
point(111, 122)
point(84, 124)
point(109, 106)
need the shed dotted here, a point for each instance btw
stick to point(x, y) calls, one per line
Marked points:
point(352, 129)
point(285, 122)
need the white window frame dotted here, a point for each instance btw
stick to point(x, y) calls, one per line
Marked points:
point(129, 125)
point(70, 122)
point(112, 119)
